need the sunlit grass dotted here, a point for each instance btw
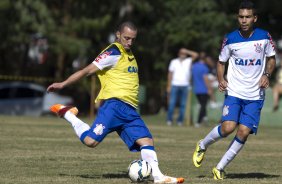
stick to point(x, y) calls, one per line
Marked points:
point(46, 150)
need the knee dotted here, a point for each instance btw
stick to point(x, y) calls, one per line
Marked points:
point(145, 141)
point(243, 134)
point(227, 128)
point(90, 142)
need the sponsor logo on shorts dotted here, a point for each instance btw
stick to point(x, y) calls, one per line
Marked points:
point(99, 129)
point(225, 110)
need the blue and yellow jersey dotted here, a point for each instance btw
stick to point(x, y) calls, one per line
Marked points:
point(118, 74)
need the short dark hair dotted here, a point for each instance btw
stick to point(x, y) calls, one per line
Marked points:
point(249, 5)
point(128, 24)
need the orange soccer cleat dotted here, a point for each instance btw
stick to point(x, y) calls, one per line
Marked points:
point(170, 180)
point(60, 109)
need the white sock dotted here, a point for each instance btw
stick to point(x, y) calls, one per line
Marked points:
point(212, 137)
point(150, 156)
point(235, 146)
point(79, 126)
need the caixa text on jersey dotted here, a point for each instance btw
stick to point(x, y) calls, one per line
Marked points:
point(247, 62)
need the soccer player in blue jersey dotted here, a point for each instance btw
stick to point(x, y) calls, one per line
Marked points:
point(117, 70)
point(250, 53)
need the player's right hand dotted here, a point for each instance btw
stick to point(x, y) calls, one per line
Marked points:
point(222, 85)
point(55, 86)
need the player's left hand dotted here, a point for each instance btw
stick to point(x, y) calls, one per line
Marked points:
point(264, 82)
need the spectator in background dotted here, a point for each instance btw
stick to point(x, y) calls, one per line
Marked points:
point(201, 86)
point(277, 89)
point(178, 82)
point(213, 81)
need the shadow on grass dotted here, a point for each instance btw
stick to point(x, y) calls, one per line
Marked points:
point(247, 175)
point(115, 175)
point(95, 176)
point(252, 175)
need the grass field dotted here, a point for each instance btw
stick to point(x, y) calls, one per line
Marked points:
point(45, 150)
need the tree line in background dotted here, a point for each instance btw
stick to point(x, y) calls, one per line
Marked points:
point(53, 38)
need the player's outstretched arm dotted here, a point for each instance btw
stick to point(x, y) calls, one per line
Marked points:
point(88, 70)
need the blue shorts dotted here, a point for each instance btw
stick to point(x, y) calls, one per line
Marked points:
point(245, 112)
point(116, 115)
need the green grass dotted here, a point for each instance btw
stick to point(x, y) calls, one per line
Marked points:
point(46, 150)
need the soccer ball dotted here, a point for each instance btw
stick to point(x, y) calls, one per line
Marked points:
point(139, 170)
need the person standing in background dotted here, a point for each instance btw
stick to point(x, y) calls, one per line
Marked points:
point(201, 86)
point(213, 82)
point(277, 89)
point(179, 73)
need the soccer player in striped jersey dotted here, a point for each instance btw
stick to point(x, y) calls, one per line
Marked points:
point(117, 71)
point(250, 53)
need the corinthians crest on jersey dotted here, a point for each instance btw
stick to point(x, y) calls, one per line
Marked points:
point(258, 47)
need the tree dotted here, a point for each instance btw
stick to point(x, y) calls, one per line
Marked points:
point(79, 30)
point(20, 20)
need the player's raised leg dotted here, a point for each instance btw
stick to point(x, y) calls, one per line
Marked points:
point(69, 113)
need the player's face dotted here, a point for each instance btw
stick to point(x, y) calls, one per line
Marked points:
point(246, 19)
point(126, 37)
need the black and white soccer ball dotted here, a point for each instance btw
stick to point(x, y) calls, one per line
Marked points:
point(139, 170)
